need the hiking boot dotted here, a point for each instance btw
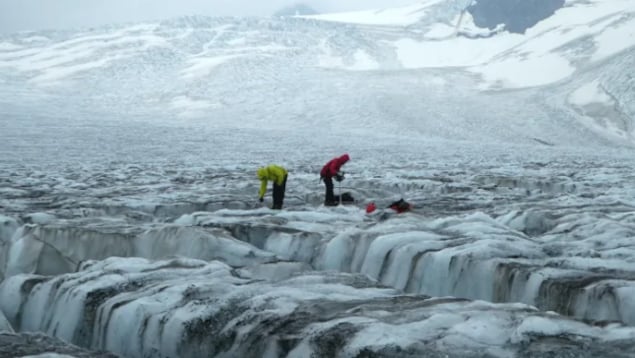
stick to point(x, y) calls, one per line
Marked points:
point(331, 203)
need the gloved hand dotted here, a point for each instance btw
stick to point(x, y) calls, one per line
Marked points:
point(339, 176)
point(261, 199)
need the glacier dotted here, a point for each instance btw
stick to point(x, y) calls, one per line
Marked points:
point(190, 308)
point(129, 224)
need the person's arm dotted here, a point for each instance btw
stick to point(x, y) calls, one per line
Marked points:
point(263, 189)
point(334, 168)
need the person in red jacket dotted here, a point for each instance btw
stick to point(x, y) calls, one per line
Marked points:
point(330, 170)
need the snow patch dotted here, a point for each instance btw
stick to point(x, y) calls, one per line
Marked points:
point(591, 92)
point(33, 39)
point(189, 107)
point(363, 62)
point(58, 73)
point(237, 41)
point(8, 46)
point(327, 58)
point(614, 39)
point(400, 16)
point(440, 31)
point(455, 52)
point(527, 72)
point(203, 66)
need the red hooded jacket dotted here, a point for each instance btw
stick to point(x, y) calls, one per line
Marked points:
point(333, 166)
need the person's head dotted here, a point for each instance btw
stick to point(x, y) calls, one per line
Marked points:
point(344, 158)
point(262, 173)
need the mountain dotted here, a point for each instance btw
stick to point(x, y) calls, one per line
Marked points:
point(294, 10)
point(516, 15)
point(349, 72)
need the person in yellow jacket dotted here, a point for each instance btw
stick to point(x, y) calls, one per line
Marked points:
point(278, 175)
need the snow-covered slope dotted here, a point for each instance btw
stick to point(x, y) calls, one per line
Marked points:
point(578, 35)
point(400, 16)
point(413, 71)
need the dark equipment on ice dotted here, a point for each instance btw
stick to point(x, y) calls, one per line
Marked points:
point(400, 206)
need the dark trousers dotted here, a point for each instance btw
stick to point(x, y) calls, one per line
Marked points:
point(329, 197)
point(278, 194)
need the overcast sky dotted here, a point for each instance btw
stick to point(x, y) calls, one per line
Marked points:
point(18, 15)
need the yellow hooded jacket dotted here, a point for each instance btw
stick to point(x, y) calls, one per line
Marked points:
point(272, 172)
